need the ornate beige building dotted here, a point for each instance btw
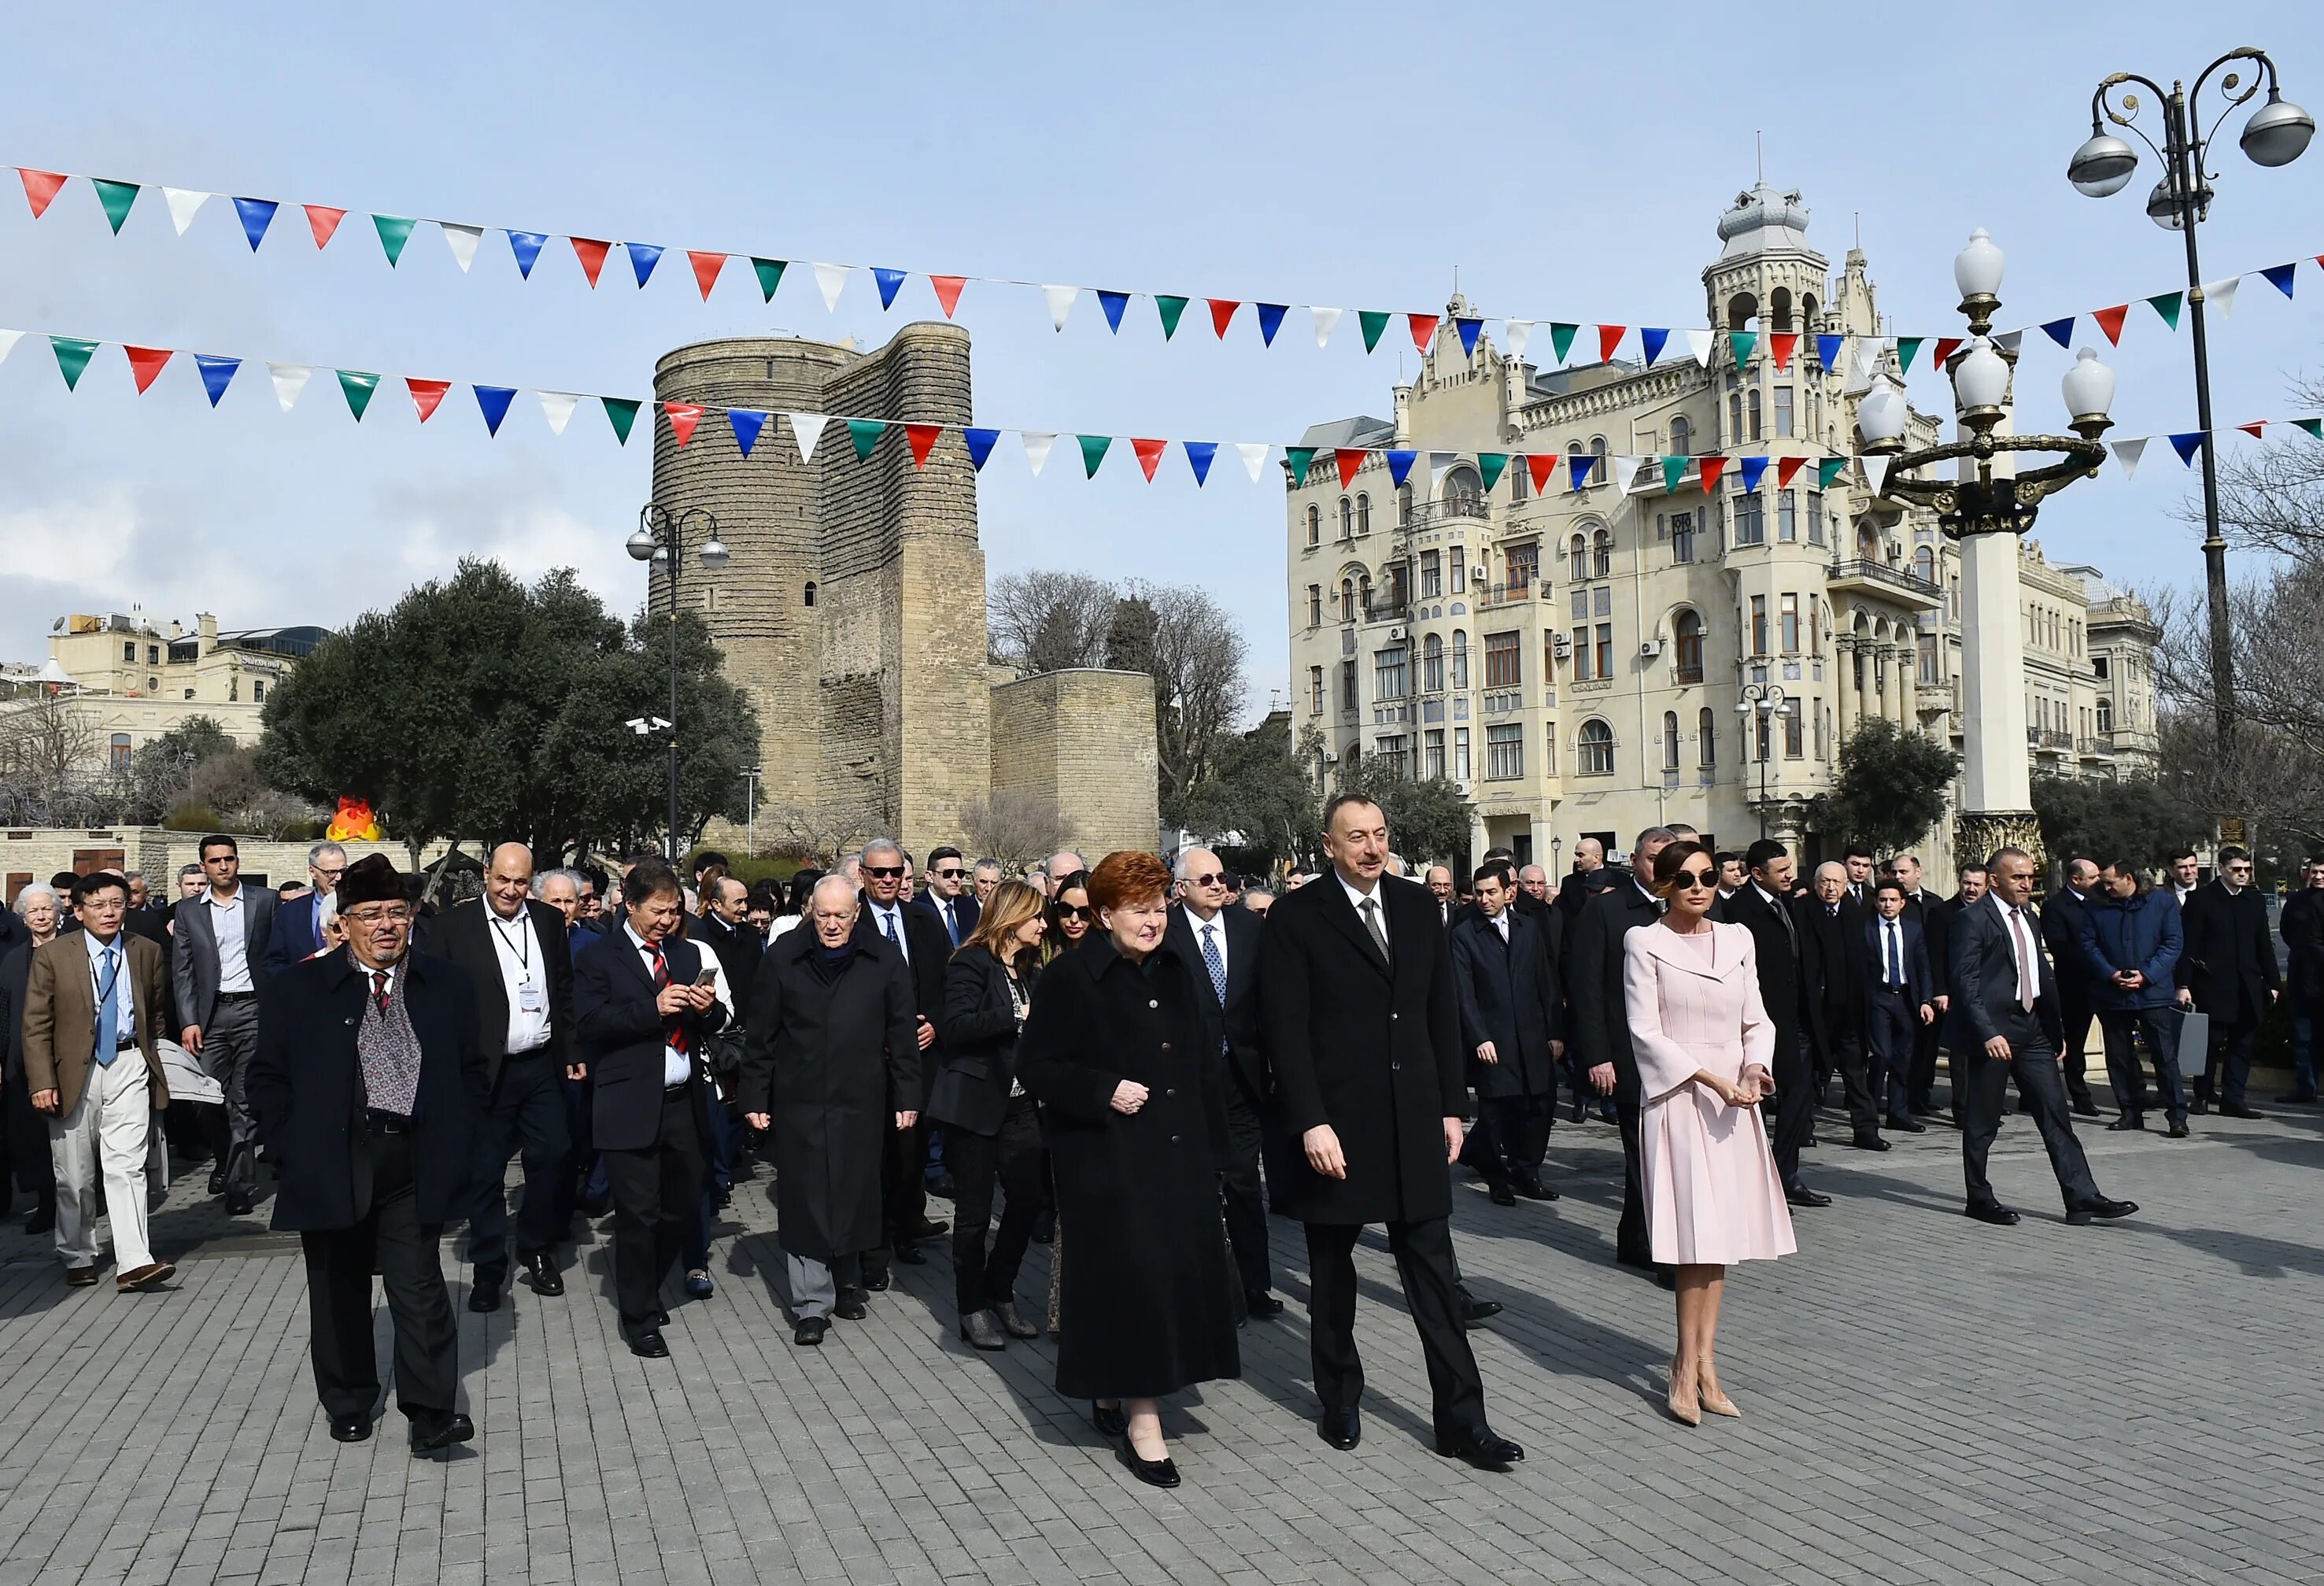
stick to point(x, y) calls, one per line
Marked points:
point(1586, 662)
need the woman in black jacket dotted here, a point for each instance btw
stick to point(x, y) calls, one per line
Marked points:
point(1122, 1050)
point(993, 1130)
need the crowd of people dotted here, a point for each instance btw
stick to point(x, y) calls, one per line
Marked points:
point(1135, 1063)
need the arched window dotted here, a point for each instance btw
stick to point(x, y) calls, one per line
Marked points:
point(1364, 514)
point(807, 597)
point(1752, 402)
point(1779, 306)
point(1364, 595)
point(1681, 438)
point(1924, 564)
point(1601, 554)
point(1706, 738)
point(1734, 416)
point(1347, 517)
point(1347, 600)
point(1460, 659)
point(2106, 714)
point(1808, 308)
point(1595, 748)
point(1432, 664)
point(1577, 557)
point(1314, 525)
point(1464, 492)
point(1404, 505)
point(1670, 740)
point(1517, 481)
point(1597, 449)
point(1686, 643)
point(1741, 309)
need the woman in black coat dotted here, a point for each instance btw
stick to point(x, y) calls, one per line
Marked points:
point(1120, 1050)
point(993, 1130)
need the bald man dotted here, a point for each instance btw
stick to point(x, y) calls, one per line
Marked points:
point(514, 949)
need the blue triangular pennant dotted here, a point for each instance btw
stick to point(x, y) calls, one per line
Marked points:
point(1113, 303)
point(1749, 470)
point(1579, 466)
point(747, 422)
point(891, 282)
point(257, 214)
point(1470, 330)
point(1399, 464)
point(1199, 453)
point(2279, 276)
point(1828, 350)
point(980, 446)
point(526, 245)
point(2061, 331)
point(493, 402)
point(643, 257)
point(216, 374)
point(1651, 340)
point(2187, 446)
point(1270, 320)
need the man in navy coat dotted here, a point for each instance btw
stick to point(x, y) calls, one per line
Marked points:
point(1510, 1032)
point(1899, 998)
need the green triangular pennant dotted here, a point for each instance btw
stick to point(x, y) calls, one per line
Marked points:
point(1741, 343)
point(1827, 470)
point(1373, 324)
point(622, 412)
point(770, 276)
point(116, 196)
point(1171, 308)
point(2167, 305)
point(394, 231)
point(1301, 457)
point(865, 434)
point(2315, 426)
point(1489, 465)
point(72, 357)
point(1561, 339)
point(1674, 470)
point(357, 387)
point(1094, 448)
point(1908, 347)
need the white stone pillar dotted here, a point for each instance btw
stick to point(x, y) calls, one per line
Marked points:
point(1900, 683)
point(1994, 776)
point(1849, 702)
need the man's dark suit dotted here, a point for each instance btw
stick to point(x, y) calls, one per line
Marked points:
point(1600, 1033)
point(363, 1189)
point(1985, 1004)
point(526, 1097)
point(293, 935)
point(2231, 969)
point(1939, 934)
point(228, 1020)
point(1925, 909)
point(1509, 996)
point(2300, 924)
point(1832, 968)
point(1248, 1103)
point(653, 1137)
point(1899, 982)
point(904, 1185)
point(2064, 914)
point(965, 911)
point(1775, 936)
point(1372, 1047)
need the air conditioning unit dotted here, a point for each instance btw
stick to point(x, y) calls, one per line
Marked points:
point(1562, 645)
point(1480, 574)
point(1331, 757)
point(1650, 648)
point(1395, 632)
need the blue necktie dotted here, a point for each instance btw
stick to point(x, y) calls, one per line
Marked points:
point(108, 1010)
point(952, 923)
point(1895, 968)
point(1217, 966)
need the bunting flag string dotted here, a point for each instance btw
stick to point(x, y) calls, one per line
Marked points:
point(749, 427)
point(116, 200)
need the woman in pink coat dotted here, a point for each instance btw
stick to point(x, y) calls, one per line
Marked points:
point(1703, 1041)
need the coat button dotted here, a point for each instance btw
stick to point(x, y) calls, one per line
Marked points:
point(1174, 1139)
point(1394, 1017)
point(1172, 1092)
point(1166, 1046)
point(1394, 1066)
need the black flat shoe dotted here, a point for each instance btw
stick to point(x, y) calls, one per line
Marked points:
point(1992, 1211)
point(1482, 1447)
point(1161, 1473)
point(2102, 1209)
point(810, 1332)
point(1261, 1305)
point(1343, 1429)
point(351, 1428)
point(1109, 1419)
point(2128, 1120)
point(483, 1296)
point(440, 1432)
point(239, 1205)
point(541, 1270)
point(1799, 1194)
point(1013, 1323)
point(648, 1345)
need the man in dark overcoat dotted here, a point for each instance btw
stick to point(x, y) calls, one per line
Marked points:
point(919, 935)
point(831, 1041)
point(1762, 905)
point(1508, 1032)
point(1363, 1030)
point(2231, 974)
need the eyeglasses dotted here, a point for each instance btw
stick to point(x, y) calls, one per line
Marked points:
point(954, 874)
point(1690, 879)
point(884, 872)
point(1076, 911)
point(1211, 881)
point(389, 915)
point(2239, 870)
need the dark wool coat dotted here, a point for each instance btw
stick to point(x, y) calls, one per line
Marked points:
point(978, 1035)
point(825, 1060)
point(1507, 997)
point(1149, 1296)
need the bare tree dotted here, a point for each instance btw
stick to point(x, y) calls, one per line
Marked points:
point(817, 833)
point(1017, 828)
point(2271, 498)
point(1049, 622)
point(1198, 655)
point(227, 788)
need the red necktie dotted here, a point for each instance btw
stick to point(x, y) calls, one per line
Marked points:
point(673, 1030)
point(379, 983)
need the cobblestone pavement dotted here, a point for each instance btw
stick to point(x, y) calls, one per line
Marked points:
point(1927, 1400)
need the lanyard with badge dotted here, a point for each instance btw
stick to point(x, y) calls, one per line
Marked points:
point(528, 997)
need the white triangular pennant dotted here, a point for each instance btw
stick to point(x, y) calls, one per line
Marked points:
point(556, 407)
point(1868, 350)
point(2009, 342)
point(1626, 470)
point(2129, 452)
point(1037, 443)
point(832, 279)
point(1254, 453)
point(2221, 294)
point(1061, 302)
point(184, 205)
point(806, 429)
point(8, 340)
point(464, 240)
point(1518, 332)
point(289, 380)
point(1876, 470)
point(1698, 342)
point(1439, 464)
point(1327, 321)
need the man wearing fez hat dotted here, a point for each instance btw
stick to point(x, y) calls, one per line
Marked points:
point(366, 1087)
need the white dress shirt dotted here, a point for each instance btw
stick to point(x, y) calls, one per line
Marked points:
point(2029, 973)
point(676, 1067)
point(232, 952)
point(1361, 898)
point(1892, 952)
point(1213, 930)
point(125, 999)
point(525, 979)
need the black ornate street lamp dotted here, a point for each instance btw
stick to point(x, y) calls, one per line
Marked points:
point(660, 538)
point(1769, 701)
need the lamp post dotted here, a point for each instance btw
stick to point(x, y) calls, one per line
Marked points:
point(1769, 701)
point(2277, 133)
point(660, 538)
point(1986, 508)
point(751, 775)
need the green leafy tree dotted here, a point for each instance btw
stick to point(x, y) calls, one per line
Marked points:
point(1258, 806)
point(1428, 817)
point(478, 707)
point(1890, 792)
point(2138, 819)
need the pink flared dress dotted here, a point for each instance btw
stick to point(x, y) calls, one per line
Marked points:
point(1712, 1196)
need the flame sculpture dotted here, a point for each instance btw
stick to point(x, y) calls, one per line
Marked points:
point(353, 823)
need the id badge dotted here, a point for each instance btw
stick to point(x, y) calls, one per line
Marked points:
point(527, 996)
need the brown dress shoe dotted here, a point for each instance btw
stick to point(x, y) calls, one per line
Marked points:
point(152, 1275)
point(81, 1276)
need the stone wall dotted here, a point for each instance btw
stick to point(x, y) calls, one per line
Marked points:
point(1087, 740)
point(36, 854)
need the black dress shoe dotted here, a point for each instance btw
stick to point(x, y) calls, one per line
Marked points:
point(436, 1432)
point(1261, 1305)
point(851, 1306)
point(810, 1331)
point(1869, 1142)
point(239, 1205)
point(1479, 1311)
point(1161, 1473)
point(1810, 1143)
point(217, 1181)
point(1533, 1189)
point(484, 1294)
point(931, 1228)
point(1503, 1196)
point(2085, 1108)
point(2178, 1128)
point(1343, 1429)
point(978, 1330)
point(540, 1269)
point(1482, 1447)
point(2127, 1121)
point(648, 1345)
point(1908, 1125)
point(876, 1282)
point(2238, 1110)
point(1109, 1419)
point(351, 1428)
point(944, 1188)
point(910, 1255)
point(2199, 1106)
point(1992, 1211)
point(1799, 1194)
point(2101, 1209)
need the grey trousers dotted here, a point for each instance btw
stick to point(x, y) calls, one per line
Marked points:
point(815, 1284)
point(227, 1042)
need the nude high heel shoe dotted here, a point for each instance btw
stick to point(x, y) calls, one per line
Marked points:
point(1713, 1398)
point(1686, 1407)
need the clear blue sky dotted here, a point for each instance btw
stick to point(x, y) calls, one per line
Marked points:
point(1350, 154)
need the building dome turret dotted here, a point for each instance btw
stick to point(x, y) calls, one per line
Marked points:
point(1763, 219)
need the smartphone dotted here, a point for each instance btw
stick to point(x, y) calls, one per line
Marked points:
point(708, 977)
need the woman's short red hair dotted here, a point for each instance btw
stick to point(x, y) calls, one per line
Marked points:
point(1127, 877)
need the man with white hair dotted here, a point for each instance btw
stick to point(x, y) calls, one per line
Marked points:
point(35, 917)
point(1833, 978)
point(919, 937)
point(1063, 863)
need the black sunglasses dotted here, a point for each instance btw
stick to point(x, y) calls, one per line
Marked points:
point(1211, 881)
point(1076, 911)
point(954, 874)
point(1696, 878)
point(884, 872)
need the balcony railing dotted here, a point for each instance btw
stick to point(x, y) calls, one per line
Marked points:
point(1464, 508)
point(1487, 595)
point(2048, 738)
point(2094, 748)
point(1387, 612)
point(1882, 573)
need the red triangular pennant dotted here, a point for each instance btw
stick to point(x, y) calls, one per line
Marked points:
point(1609, 337)
point(1222, 310)
point(683, 416)
point(707, 267)
point(1424, 327)
point(1349, 458)
point(591, 255)
point(1713, 467)
point(1539, 466)
point(1783, 344)
point(146, 362)
point(1149, 454)
point(1947, 346)
point(2110, 321)
point(2252, 428)
point(922, 438)
point(1784, 469)
point(426, 394)
point(41, 189)
point(948, 291)
point(323, 221)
